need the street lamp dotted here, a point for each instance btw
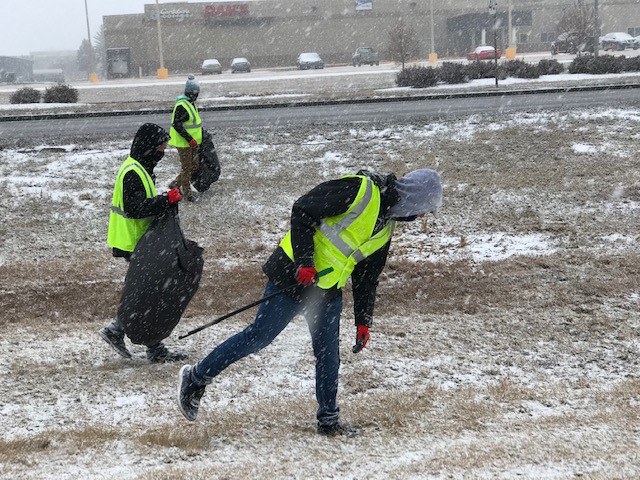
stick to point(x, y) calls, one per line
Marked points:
point(162, 72)
point(93, 77)
point(596, 30)
point(433, 57)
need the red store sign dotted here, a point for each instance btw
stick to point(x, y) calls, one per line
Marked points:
point(227, 10)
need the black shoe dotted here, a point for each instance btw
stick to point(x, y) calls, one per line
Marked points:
point(336, 430)
point(115, 341)
point(189, 394)
point(161, 354)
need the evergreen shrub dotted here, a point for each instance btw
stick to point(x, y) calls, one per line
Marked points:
point(25, 95)
point(60, 93)
point(550, 67)
point(451, 72)
point(417, 77)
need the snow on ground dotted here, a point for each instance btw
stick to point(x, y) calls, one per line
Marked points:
point(505, 342)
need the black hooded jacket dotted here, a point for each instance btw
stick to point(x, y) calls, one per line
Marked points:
point(143, 149)
point(323, 201)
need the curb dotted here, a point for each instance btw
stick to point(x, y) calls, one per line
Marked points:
point(344, 101)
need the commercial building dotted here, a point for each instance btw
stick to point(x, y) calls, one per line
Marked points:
point(15, 69)
point(272, 33)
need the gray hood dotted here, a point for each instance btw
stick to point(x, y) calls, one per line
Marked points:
point(420, 192)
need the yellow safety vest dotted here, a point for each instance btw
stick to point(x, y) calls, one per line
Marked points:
point(193, 125)
point(346, 239)
point(125, 232)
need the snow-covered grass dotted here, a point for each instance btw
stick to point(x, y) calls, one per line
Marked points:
point(505, 342)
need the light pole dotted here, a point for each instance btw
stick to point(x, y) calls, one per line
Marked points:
point(432, 50)
point(162, 72)
point(510, 43)
point(596, 30)
point(93, 77)
point(493, 10)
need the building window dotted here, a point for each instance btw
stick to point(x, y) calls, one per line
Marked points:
point(547, 37)
point(523, 38)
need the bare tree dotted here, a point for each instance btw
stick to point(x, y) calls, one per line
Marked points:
point(579, 19)
point(403, 42)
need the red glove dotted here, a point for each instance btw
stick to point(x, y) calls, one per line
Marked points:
point(362, 337)
point(193, 143)
point(306, 275)
point(174, 196)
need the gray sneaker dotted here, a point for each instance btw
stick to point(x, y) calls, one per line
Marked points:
point(189, 394)
point(115, 341)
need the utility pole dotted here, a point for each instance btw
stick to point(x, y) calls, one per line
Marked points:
point(93, 77)
point(162, 72)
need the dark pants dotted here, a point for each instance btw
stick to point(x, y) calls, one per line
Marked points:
point(323, 318)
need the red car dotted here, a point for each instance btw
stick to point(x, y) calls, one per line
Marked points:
point(484, 52)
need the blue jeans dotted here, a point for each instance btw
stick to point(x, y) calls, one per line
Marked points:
point(323, 318)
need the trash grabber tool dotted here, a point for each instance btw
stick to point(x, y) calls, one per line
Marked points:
point(252, 304)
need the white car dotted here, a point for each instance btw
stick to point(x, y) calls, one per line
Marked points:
point(618, 41)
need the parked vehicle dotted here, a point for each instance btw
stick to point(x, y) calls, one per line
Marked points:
point(484, 52)
point(309, 60)
point(365, 55)
point(211, 66)
point(240, 64)
point(618, 41)
point(572, 42)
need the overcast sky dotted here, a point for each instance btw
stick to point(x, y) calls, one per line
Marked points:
point(36, 25)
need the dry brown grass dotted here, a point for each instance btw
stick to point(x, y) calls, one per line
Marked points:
point(72, 441)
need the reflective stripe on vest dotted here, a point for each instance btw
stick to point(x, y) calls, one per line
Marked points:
point(344, 240)
point(124, 232)
point(193, 125)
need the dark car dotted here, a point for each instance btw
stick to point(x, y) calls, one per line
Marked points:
point(572, 42)
point(309, 60)
point(240, 65)
point(365, 56)
point(211, 65)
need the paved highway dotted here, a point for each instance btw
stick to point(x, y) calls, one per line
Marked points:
point(63, 131)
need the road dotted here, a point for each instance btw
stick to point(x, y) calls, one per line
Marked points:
point(70, 130)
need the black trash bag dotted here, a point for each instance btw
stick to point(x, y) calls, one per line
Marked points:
point(164, 274)
point(209, 169)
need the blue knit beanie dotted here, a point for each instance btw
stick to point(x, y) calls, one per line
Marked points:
point(420, 192)
point(192, 86)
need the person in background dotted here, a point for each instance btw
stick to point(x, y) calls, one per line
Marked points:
point(186, 135)
point(343, 227)
point(134, 205)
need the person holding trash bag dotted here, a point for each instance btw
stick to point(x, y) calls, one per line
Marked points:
point(135, 204)
point(342, 227)
point(186, 135)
